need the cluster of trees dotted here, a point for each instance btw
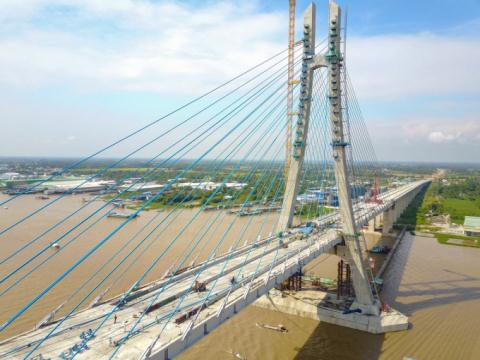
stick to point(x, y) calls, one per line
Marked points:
point(432, 202)
point(311, 211)
point(458, 199)
point(469, 189)
point(221, 195)
point(175, 197)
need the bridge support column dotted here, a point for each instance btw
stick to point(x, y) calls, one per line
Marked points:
point(401, 206)
point(403, 203)
point(372, 224)
point(396, 211)
point(388, 219)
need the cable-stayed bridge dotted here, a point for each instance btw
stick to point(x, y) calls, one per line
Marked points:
point(237, 217)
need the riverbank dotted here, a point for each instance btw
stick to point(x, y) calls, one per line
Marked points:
point(433, 212)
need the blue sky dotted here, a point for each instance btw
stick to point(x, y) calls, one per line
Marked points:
point(76, 75)
point(376, 17)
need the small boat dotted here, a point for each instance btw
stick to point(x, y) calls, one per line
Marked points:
point(118, 203)
point(380, 249)
point(377, 283)
point(279, 327)
point(237, 355)
point(55, 246)
point(121, 215)
point(5, 207)
point(249, 213)
point(43, 197)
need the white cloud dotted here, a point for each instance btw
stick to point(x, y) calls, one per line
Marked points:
point(441, 137)
point(406, 66)
point(447, 130)
point(424, 138)
point(169, 47)
point(461, 130)
point(165, 47)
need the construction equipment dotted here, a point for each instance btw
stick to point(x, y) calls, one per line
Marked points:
point(373, 196)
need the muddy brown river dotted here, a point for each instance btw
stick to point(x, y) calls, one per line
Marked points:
point(181, 226)
point(437, 286)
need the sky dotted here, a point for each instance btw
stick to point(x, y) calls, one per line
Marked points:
point(76, 75)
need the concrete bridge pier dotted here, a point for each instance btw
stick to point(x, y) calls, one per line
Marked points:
point(388, 220)
point(373, 224)
point(402, 204)
point(392, 214)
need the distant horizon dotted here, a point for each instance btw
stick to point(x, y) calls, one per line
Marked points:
point(76, 158)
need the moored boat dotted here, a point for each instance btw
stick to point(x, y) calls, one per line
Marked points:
point(121, 215)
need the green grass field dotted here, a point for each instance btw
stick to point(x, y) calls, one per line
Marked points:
point(459, 208)
point(415, 215)
point(467, 240)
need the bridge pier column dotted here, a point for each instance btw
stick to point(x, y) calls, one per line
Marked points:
point(403, 204)
point(372, 224)
point(388, 219)
point(397, 209)
point(379, 219)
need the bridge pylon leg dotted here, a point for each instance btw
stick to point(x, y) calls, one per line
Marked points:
point(303, 119)
point(361, 283)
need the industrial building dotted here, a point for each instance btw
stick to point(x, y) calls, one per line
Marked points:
point(77, 186)
point(471, 226)
point(328, 195)
point(141, 186)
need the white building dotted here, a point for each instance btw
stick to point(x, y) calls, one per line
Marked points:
point(209, 185)
point(78, 186)
point(10, 176)
point(141, 186)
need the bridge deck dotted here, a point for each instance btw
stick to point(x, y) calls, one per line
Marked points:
point(257, 269)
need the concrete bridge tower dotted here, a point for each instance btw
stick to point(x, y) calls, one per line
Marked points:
point(333, 61)
point(303, 119)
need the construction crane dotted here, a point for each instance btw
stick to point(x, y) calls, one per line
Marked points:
point(290, 84)
point(375, 192)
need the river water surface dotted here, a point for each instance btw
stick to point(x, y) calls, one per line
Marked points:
point(437, 286)
point(191, 230)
